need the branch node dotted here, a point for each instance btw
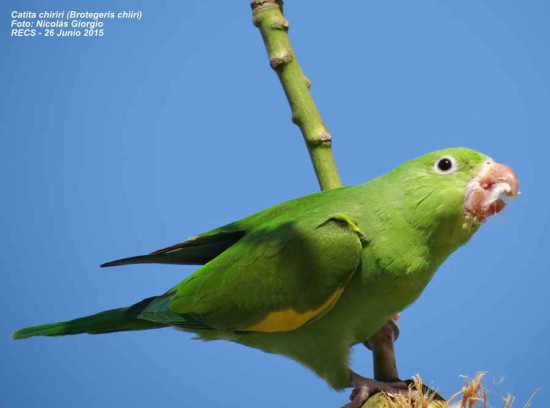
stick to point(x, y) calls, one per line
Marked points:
point(308, 82)
point(258, 5)
point(256, 20)
point(280, 60)
point(323, 140)
point(280, 24)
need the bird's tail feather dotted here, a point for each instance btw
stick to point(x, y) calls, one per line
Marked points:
point(109, 321)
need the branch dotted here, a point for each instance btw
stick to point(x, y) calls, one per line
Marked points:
point(268, 17)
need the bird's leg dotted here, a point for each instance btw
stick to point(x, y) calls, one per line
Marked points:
point(385, 368)
point(363, 388)
point(383, 354)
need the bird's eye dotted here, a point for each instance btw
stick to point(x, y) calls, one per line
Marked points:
point(446, 165)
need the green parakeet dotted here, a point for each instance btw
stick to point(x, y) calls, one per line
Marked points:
point(311, 277)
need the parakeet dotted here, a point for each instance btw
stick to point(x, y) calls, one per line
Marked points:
point(313, 276)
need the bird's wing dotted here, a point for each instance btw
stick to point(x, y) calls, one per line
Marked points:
point(277, 278)
point(195, 251)
point(205, 247)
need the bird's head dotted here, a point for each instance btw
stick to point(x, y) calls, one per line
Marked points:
point(451, 188)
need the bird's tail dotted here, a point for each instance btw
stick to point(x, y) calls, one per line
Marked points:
point(109, 321)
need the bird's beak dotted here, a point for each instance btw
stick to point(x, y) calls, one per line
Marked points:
point(487, 192)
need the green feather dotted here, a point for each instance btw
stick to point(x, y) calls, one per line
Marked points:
point(113, 320)
point(195, 251)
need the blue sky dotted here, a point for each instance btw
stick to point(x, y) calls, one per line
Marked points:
point(175, 124)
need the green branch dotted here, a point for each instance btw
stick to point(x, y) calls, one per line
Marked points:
point(268, 17)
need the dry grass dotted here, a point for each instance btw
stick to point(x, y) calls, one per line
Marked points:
point(472, 395)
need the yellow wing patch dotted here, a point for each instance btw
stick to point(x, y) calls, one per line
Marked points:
point(289, 319)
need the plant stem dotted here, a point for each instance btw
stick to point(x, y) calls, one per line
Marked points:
point(268, 17)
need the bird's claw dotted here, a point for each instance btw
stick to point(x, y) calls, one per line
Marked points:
point(365, 387)
point(358, 397)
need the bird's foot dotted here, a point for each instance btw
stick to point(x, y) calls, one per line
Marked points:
point(363, 388)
